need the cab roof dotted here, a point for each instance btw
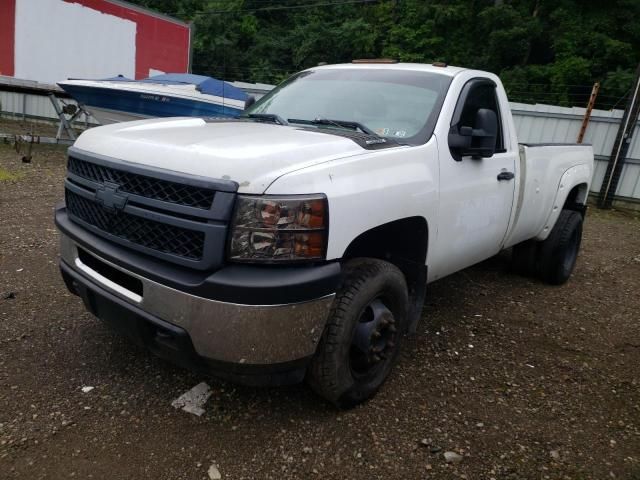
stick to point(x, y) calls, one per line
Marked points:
point(417, 67)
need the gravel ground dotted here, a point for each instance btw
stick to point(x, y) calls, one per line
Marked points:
point(523, 380)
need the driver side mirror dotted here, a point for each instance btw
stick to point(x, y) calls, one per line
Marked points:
point(249, 101)
point(478, 141)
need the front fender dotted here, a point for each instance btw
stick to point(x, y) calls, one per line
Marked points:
point(370, 190)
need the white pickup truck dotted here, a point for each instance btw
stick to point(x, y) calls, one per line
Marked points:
point(297, 241)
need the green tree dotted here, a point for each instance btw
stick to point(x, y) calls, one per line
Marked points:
point(547, 51)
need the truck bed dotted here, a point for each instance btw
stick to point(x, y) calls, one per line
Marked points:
point(543, 166)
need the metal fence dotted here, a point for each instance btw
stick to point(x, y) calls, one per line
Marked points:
point(549, 123)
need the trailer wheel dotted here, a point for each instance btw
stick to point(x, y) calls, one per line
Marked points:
point(362, 336)
point(557, 255)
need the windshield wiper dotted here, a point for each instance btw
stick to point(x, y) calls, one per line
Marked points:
point(267, 116)
point(336, 123)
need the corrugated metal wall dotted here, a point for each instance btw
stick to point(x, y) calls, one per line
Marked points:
point(549, 123)
point(534, 123)
point(31, 106)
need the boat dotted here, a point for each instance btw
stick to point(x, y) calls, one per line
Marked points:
point(121, 99)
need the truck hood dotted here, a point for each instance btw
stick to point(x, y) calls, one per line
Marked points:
point(251, 153)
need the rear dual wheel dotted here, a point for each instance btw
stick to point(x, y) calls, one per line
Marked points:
point(554, 259)
point(362, 337)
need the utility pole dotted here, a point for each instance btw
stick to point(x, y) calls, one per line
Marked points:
point(621, 145)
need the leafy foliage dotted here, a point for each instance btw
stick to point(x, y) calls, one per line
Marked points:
point(548, 51)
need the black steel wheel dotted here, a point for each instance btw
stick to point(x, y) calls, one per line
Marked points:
point(374, 339)
point(362, 336)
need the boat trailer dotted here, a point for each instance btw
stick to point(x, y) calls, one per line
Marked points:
point(68, 115)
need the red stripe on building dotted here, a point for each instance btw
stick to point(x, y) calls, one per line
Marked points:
point(160, 43)
point(7, 36)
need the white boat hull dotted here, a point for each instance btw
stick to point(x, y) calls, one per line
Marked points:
point(114, 102)
point(107, 116)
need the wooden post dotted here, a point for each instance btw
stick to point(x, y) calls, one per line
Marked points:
point(587, 113)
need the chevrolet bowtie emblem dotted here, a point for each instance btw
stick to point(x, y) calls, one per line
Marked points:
point(110, 198)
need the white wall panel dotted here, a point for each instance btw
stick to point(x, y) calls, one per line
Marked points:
point(55, 40)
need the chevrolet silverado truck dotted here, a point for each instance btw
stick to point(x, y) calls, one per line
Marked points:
point(297, 241)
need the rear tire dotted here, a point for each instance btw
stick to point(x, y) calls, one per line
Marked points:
point(524, 257)
point(362, 336)
point(557, 254)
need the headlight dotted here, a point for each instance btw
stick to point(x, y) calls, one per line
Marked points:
point(273, 229)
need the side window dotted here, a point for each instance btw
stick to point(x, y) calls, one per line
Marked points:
point(483, 95)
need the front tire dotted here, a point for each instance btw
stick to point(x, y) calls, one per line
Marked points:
point(362, 337)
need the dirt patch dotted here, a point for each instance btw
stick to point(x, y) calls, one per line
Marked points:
point(522, 379)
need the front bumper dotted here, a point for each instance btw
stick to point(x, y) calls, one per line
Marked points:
point(253, 344)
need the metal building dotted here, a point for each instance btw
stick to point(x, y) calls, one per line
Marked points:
point(52, 40)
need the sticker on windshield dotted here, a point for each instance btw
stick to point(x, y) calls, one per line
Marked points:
point(387, 132)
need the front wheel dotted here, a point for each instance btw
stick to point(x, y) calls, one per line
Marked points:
point(362, 337)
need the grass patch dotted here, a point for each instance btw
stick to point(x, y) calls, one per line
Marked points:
point(7, 176)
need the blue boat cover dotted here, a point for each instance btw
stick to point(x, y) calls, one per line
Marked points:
point(208, 85)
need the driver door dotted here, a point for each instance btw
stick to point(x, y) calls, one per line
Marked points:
point(476, 193)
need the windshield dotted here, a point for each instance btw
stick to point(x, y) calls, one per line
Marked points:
point(398, 104)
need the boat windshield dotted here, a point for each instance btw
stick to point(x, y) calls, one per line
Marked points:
point(398, 104)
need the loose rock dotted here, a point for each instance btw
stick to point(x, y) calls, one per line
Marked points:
point(214, 473)
point(192, 401)
point(452, 457)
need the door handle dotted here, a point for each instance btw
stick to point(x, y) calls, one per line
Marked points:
point(506, 176)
